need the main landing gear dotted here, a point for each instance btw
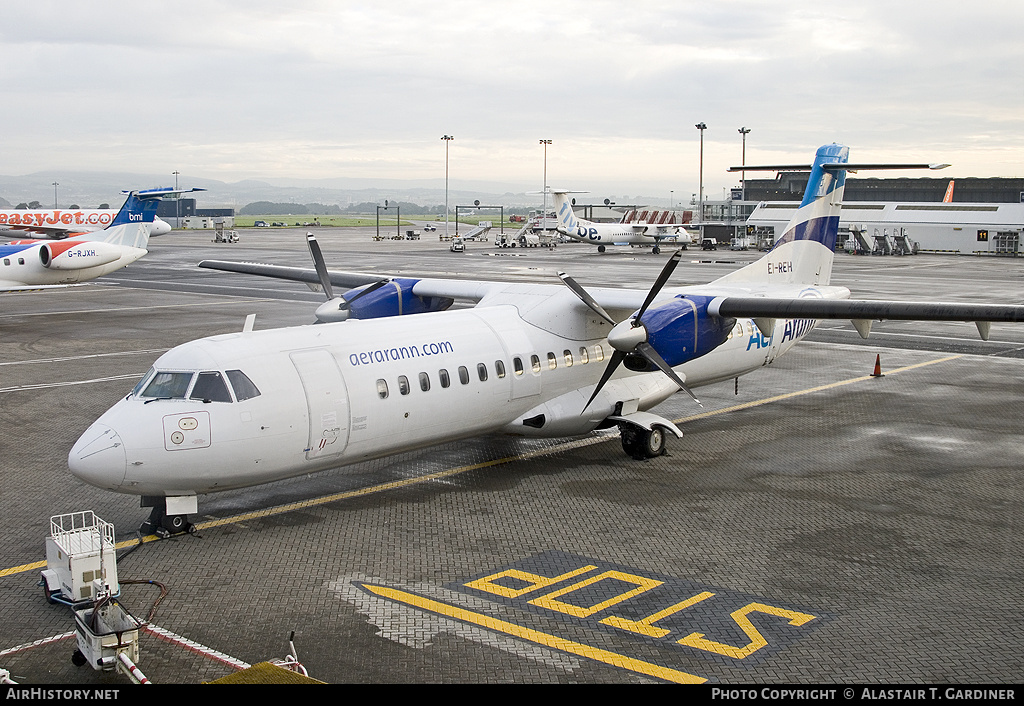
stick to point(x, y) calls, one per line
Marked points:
point(641, 443)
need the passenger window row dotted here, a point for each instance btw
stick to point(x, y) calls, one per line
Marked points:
point(7, 261)
point(483, 371)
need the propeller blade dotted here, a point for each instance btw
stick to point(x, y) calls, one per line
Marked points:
point(586, 298)
point(648, 352)
point(320, 265)
point(363, 292)
point(617, 357)
point(666, 272)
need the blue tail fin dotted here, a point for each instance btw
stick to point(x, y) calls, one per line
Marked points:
point(804, 252)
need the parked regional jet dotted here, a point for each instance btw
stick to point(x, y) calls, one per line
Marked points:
point(604, 234)
point(40, 264)
point(404, 372)
point(59, 224)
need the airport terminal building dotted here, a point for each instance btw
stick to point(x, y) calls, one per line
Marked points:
point(895, 216)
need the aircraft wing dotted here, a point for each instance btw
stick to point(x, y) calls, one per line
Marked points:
point(765, 311)
point(306, 275)
point(473, 290)
point(762, 307)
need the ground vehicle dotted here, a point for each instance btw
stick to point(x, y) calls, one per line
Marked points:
point(412, 235)
point(429, 227)
point(260, 224)
point(708, 244)
point(458, 245)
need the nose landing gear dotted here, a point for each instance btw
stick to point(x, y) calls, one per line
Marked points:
point(169, 516)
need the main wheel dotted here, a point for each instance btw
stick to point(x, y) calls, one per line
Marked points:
point(656, 250)
point(600, 248)
point(642, 444)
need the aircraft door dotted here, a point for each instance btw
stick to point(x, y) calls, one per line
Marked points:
point(327, 402)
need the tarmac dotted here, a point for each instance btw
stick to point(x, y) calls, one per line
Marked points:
point(816, 525)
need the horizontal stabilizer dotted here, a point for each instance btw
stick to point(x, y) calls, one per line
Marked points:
point(833, 167)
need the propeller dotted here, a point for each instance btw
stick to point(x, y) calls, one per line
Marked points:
point(630, 337)
point(336, 308)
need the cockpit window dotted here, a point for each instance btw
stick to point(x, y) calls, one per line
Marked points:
point(244, 387)
point(140, 386)
point(167, 385)
point(210, 387)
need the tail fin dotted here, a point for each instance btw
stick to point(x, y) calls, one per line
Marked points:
point(804, 252)
point(948, 198)
point(567, 221)
point(132, 225)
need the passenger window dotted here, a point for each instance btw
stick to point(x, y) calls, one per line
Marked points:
point(243, 386)
point(568, 358)
point(424, 382)
point(535, 362)
point(499, 368)
point(446, 381)
point(598, 353)
point(7, 261)
point(552, 361)
point(168, 385)
point(21, 261)
point(584, 358)
point(382, 389)
point(463, 375)
point(210, 387)
point(481, 371)
point(517, 365)
point(403, 385)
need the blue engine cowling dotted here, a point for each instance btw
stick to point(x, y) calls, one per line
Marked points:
point(681, 330)
point(393, 299)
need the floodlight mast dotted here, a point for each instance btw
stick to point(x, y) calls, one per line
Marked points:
point(544, 205)
point(447, 139)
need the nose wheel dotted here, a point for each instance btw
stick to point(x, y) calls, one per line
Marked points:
point(164, 525)
point(640, 443)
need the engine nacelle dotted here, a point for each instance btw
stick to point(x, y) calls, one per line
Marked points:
point(78, 255)
point(681, 330)
point(393, 299)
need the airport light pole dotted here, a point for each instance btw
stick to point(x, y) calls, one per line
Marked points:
point(700, 201)
point(743, 174)
point(55, 185)
point(544, 197)
point(177, 201)
point(447, 139)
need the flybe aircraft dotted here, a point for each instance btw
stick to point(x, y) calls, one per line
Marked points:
point(41, 264)
point(604, 234)
point(66, 223)
point(393, 368)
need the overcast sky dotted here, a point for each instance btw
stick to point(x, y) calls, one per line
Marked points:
point(233, 89)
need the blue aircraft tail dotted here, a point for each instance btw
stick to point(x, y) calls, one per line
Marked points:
point(804, 252)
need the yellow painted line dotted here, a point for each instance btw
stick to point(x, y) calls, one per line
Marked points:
point(535, 636)
point(809, 390)
point(384, 487)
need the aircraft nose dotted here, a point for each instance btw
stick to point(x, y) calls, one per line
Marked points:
point(98, 457)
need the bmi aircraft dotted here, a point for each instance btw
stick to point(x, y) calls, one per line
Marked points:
point(41, 264)
point(393, 369)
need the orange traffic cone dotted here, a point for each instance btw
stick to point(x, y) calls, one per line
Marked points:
point(878, 367)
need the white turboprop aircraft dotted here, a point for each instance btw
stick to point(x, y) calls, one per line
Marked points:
point(604, 234)
point(540, 360)
point(66, 223)
point(41, 264)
